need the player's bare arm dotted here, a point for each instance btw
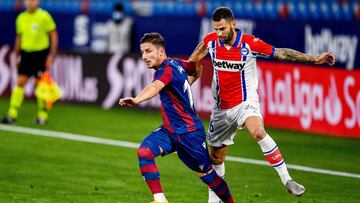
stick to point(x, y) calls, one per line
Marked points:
point(147, 93)
point(290, 55)
point(199, 53)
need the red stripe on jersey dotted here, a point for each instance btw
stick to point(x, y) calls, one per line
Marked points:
point(230, 89)
point(166, 76)
point(190, 67)
point(233, 54)
point(166, 122)
point(180, 110)
point(149, 168)
point(275, 157)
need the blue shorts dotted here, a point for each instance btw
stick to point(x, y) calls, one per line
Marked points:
point(190, 147)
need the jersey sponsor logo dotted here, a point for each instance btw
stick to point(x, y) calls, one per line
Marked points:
point(233, 66)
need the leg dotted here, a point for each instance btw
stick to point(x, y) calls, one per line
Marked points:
point(157, 143)
point(46, 92)
point(217, 156)
point(272, 153)
point(221, 131)
point(16, 100)
point(217, 185)
point(192, 150)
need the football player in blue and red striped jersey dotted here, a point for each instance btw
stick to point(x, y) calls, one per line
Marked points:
point(181, 131)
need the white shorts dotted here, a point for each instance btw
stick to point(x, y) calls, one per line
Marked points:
point(225, 122)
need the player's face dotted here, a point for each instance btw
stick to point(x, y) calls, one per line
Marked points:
point(225, 30)
point(32, 4)
point(151, 54)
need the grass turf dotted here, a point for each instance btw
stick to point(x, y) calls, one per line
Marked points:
point(40, 169)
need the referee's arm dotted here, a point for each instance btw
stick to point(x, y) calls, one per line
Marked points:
point(54, 40)
point(17, 48)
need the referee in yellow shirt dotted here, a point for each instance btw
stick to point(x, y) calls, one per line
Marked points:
point(36, 44)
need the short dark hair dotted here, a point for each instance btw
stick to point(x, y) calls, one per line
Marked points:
point(222, 13)
point(119, 7)
point(153, 38)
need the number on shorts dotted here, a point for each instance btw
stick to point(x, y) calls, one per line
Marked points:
point(212, 128)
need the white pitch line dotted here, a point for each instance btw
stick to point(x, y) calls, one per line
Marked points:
point(97, 140)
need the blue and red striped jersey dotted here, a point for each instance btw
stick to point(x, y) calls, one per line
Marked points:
point(177, 106)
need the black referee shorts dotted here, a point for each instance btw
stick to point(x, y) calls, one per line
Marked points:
point(33, 63)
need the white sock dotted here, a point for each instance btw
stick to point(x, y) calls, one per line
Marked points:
point(220, 170)
point(267, 144)
point(160, 197)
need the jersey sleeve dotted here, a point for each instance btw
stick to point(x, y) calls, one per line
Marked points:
point(18, 25)
point(190, 67)
point(209, 37)
point(261, 48)
point(165, 75)
point(50, 23)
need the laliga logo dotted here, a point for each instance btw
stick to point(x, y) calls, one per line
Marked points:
point(333, 106)
point(292, 97)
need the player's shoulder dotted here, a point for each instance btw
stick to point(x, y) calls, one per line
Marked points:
point(210, 37)
point(43, 12)
point(168, 63)
point(248, 38)
point(21, 15)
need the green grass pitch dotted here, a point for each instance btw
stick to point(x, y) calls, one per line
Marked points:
point(42, 169)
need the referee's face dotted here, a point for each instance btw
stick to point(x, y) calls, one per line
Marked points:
point(32, 4)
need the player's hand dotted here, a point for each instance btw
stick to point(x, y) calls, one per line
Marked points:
point(325, 58)
point(128, 101)
point(17, 61)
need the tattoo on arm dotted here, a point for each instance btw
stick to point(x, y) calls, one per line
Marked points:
point(285, 54)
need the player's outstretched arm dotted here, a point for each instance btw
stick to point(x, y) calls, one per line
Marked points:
point(199, 53)
point(290, 55)
point(147, 93)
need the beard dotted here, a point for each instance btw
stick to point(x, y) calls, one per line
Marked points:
point(229, 37)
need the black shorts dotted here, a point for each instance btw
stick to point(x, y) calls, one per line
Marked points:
point(33, 63)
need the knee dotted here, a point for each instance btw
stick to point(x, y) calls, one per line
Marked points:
point(259, 133)
point(217, 160)
point(145, 152)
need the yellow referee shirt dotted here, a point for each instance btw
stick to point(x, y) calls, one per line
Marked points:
point(33, 29)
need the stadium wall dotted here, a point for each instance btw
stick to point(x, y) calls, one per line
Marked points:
point(300, 97)
point(87, 32)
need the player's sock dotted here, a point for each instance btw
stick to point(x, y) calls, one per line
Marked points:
point(160, 197)
point(149, 170)
point(42, 110)
point(218, 185)
point(274, 157)
point(16, 100)
point(220, 170)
